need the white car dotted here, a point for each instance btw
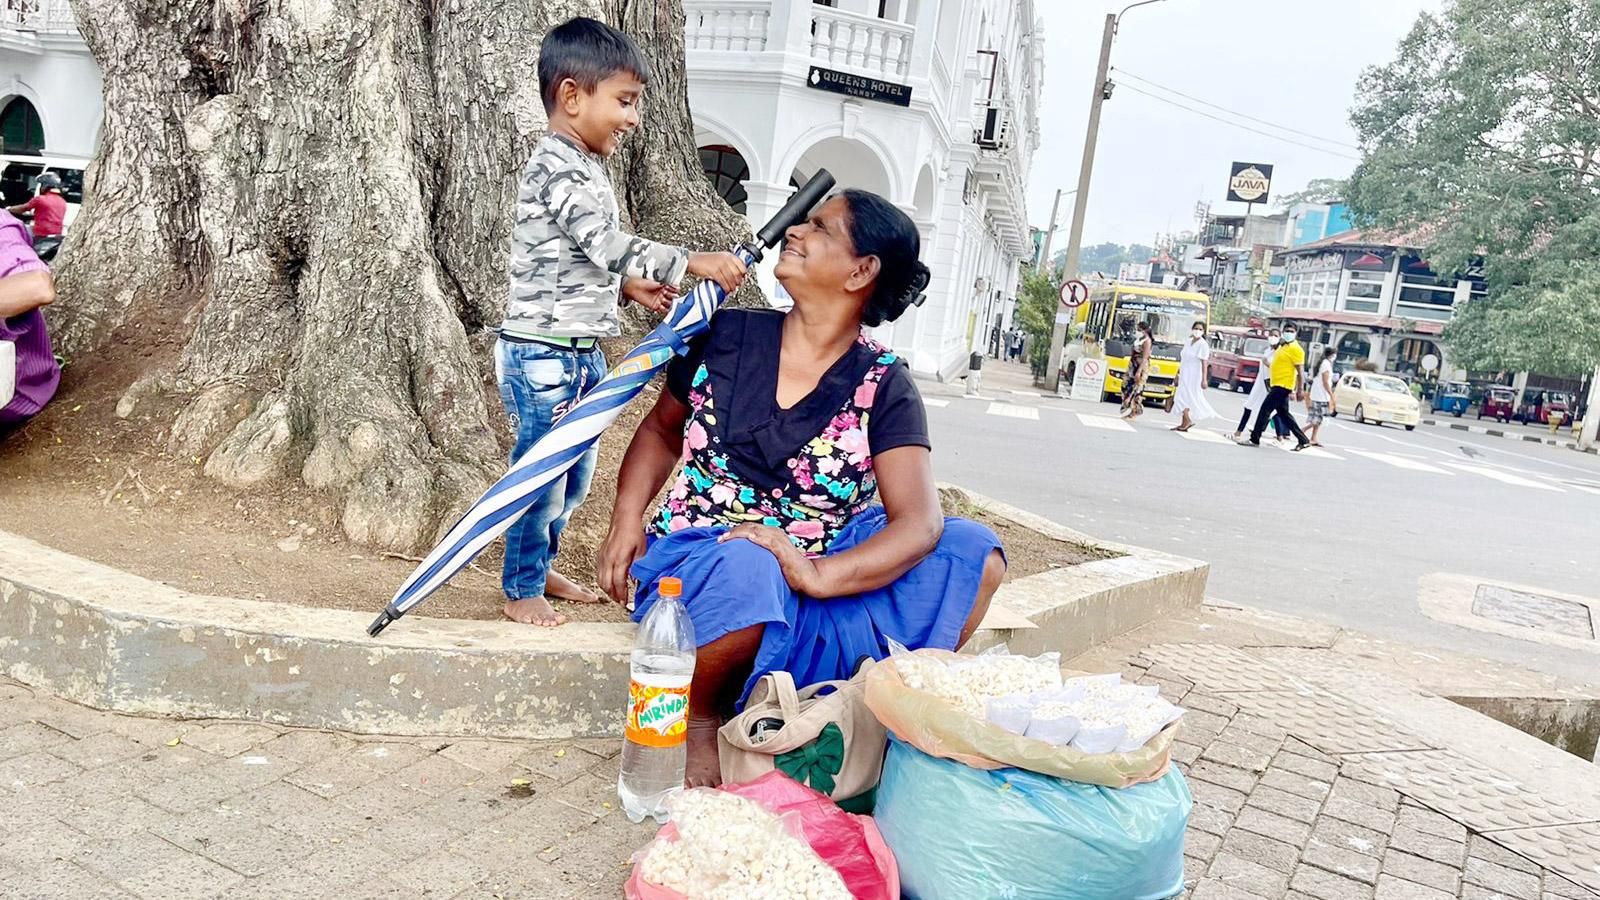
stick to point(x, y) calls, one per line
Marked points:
point(1370, 397)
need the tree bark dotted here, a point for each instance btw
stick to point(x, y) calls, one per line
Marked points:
point(316, 199)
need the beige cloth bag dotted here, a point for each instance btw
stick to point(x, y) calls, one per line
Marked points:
point(831, 742)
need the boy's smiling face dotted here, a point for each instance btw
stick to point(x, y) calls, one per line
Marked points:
point(600, 118)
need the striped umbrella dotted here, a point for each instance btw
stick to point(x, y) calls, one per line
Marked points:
point(552, 455)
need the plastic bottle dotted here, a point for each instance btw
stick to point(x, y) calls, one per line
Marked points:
point(662, 666)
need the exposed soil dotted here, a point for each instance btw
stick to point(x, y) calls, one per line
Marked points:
point(81, 480)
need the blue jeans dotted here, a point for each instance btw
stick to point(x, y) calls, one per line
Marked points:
point(538, 384)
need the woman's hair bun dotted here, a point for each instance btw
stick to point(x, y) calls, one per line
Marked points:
point(879, 228)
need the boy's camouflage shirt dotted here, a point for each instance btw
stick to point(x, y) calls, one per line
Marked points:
point(568, 255)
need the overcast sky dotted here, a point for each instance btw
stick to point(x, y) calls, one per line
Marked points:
point(1290, 62)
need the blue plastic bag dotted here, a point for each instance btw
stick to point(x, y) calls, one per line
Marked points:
point(960, 833)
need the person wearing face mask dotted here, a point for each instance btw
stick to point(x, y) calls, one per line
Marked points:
point(1138, 370)
point(1285, 378)
point(1258, 391)
point(1189, 397)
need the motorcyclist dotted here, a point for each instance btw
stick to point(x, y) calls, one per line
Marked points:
point(49, 211)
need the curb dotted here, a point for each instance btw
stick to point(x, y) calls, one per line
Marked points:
point(1514, 435)
point(1077, 607)
point(115, 641)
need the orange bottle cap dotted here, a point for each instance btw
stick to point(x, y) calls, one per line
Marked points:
point(670, 587)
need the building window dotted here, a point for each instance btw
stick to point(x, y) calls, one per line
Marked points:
point(1364, 291)
point(727, 171)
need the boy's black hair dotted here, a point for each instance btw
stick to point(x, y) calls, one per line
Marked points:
point(588, 52)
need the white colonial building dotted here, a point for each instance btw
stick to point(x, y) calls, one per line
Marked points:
point(931, 103)
point(49, 84)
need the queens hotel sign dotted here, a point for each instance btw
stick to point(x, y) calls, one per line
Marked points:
point(859, 86)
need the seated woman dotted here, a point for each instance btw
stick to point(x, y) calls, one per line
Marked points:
point(792, 428)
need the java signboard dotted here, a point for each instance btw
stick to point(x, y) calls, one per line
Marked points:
point(1249, 182)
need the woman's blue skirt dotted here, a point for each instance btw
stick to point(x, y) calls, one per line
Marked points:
point(731, 586)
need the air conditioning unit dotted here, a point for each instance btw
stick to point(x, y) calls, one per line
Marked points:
point(989, 130)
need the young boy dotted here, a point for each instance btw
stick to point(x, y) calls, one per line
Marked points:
point(569, 259)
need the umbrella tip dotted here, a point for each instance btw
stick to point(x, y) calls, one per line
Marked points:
point(380, 623)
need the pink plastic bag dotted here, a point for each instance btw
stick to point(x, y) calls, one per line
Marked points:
point(849, 843)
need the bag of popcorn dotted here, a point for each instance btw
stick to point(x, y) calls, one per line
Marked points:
point(771, 837)
point(963, 708)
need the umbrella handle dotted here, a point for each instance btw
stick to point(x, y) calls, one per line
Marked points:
point(798, 207)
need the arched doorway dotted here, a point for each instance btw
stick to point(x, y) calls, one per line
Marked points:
point(21, 129)
point(1352, 349)
point(727, 171)
point(1406, 356)
point(854, 164)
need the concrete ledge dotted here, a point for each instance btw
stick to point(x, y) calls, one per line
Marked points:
point(1077, 607)
point(111, 640)
point(115, 641)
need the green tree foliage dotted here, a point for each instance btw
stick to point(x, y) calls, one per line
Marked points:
point(1482, 139)
point(1037, 303)
point(1319, 190)
point(1106, 257)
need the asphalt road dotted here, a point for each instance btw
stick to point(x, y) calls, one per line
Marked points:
point(1342, 536)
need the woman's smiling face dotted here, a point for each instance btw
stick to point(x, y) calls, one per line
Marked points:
point(818, 254)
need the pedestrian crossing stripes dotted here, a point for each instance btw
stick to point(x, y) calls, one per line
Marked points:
point(1203, 436)
point(1400, 462)
point(1397, 458)
point(1506, 477)
point(1013, 411)
point(1312, 452)
point(1106, 422)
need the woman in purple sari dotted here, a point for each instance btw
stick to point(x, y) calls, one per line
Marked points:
point(804, 523)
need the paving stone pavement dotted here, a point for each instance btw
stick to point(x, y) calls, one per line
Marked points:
point(102, 805)
point(95, 804)
point(1302, 795)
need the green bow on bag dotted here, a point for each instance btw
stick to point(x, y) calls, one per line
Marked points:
point(818, 762)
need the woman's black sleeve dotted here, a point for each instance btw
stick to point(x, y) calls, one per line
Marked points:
point(898, 418)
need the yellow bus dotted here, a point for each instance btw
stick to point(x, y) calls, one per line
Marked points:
point(1111, 314)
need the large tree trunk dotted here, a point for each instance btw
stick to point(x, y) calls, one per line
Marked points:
point(315, 196)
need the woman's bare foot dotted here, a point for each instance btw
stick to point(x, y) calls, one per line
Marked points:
point(702, 768)
point(534, 611)
point(563, 588)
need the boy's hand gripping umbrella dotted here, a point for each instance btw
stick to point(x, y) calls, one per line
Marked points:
point(552, 455)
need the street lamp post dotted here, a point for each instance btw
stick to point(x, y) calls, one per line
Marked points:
point(1058, 335)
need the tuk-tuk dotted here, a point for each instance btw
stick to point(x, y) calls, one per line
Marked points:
point(1499, 402)
point(1451, 397)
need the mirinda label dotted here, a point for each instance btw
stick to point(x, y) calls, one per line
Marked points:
point(658, 713)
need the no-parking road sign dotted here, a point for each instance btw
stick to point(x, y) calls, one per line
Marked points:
point(1074, 293)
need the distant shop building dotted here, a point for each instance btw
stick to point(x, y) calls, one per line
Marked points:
point(1370, 295)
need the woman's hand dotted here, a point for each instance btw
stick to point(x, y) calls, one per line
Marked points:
point(622, 548)
point(798, 569)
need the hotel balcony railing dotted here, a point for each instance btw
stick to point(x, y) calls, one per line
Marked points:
point(861, 44)
point(38, 16)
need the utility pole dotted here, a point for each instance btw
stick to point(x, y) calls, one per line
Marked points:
point(1044, 252)
point(1591, 415)
point(1058, 336)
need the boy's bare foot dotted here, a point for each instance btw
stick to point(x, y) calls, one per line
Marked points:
point(534, 611)
point(563, 588)
point(701, 766)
